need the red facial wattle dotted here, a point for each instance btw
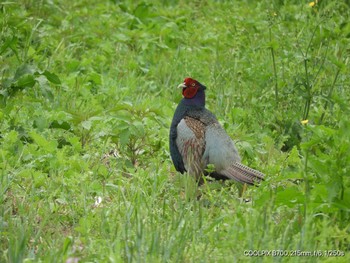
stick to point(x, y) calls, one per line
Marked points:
point(189, 92)
point(190, 88)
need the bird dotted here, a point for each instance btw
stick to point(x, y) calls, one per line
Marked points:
point(198, 141)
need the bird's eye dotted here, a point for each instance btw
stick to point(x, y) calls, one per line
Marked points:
point(193, 84)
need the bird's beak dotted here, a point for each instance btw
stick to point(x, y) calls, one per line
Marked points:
point(182, 86)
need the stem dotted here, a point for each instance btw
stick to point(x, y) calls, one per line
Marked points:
point(274, 67)
point(308, 89)
point(306, 180)
point(306, 198)
point(330, 92)
point(307, 84)
point(323, 61)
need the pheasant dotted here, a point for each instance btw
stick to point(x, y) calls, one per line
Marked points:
point(197, 139)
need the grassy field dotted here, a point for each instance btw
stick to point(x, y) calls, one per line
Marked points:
point(87, 94)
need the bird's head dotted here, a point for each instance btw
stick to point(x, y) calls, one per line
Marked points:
point(190, 87)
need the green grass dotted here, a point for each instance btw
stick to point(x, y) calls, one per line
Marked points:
point(80, 79)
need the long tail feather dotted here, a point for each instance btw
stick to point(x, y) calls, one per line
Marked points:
point(243, 174)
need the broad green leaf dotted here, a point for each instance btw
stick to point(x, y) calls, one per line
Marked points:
point(342, 204)
point(24, 69)
point(139, 128)
point(8, 43)
point(124, 137)
point(290, 196)
point(53, 78)
point(86, 124)
point(42, 142)
point(96, 78)
point(11, 137)
point(25, 81)
point(60, 125)
point(294, 158)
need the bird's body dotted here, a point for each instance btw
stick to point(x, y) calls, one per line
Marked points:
point(197, 139)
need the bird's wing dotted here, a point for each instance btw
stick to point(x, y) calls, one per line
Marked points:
point(190, 142)
point(222, 153)
point(220, 149)
point(174, 151)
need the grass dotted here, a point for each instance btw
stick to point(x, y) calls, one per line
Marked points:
point(87, 94)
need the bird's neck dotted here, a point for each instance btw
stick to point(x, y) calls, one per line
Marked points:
point(197, 100)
